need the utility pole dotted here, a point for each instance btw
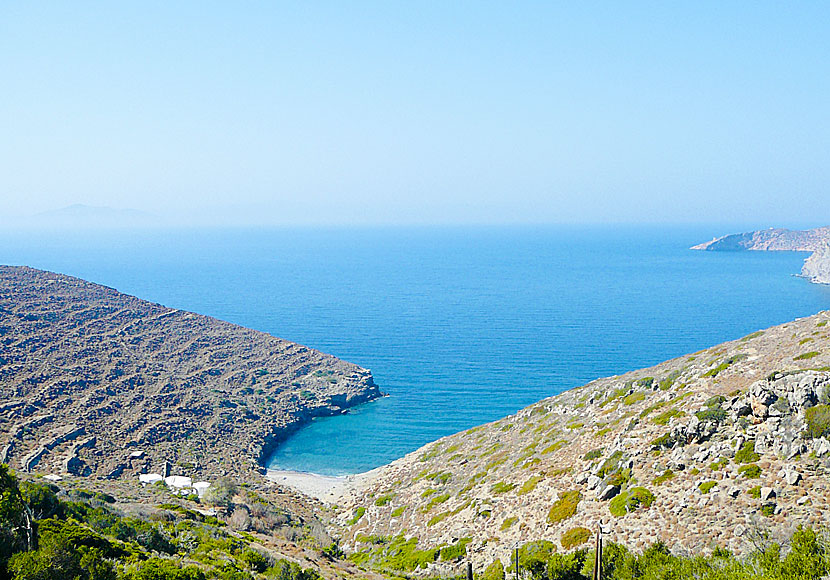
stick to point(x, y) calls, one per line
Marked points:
point(598, 554)
point(469, 571)
point(517, 561)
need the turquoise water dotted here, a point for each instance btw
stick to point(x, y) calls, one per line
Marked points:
point(459, 325)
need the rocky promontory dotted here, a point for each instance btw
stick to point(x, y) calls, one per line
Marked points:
point(773, 239)
point(816, 268)
point(94, 382)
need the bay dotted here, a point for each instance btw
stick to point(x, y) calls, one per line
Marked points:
point(460, 325)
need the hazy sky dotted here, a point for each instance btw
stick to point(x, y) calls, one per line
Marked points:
point(419, 112)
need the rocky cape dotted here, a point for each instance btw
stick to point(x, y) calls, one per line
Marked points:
point(94, 382)
point(816, 267)
point(717, 448)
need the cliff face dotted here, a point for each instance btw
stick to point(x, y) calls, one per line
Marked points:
point(95, 382)
point(817, 266)
point(707, 449)
point(773, 239)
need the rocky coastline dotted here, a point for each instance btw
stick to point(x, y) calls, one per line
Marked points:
point(816, 267)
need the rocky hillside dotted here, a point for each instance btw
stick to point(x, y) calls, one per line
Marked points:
point(773, 239)
point(710, 449)
point(95, 382)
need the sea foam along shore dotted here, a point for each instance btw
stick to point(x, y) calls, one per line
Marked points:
point(326, 488)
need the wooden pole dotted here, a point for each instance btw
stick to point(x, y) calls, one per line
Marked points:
point(598, 554)
point(469, 571)
point(517, 562)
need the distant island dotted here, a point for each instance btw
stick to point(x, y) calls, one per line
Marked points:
point(816, 268)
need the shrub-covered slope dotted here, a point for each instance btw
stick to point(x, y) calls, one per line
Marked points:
point(712, 449)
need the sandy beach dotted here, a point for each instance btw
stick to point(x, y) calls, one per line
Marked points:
point(326, 488)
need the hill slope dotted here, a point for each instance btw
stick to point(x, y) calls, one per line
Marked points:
point(95, 382)
point(703, 450)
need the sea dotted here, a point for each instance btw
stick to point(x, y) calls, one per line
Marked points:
point(459, 325)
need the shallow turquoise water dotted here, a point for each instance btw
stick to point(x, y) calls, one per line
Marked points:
point(459, 325)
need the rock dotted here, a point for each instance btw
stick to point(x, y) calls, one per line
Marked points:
point(792, 477)
point(593, 481)
point(608, 492)
point(767, 493)
point(740, 530)
point(821, 447)
point(803, 500)
point(734, 491)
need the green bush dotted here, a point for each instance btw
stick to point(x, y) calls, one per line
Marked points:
point(633, 398)
point(508, 523)
point(751, 471)
point(529, 485)
point(575, 537)
point(807, 355)
point(724, 365)
point(436, 500)
point(664, 417)
point(358, 513)
point(746, 454)
point(454, 552)
point(534, 557)
point(706, 486)
point(645, 382)
point(502, 487)
point(711, 415)
point(384, 499)
point(818, 421)
point(664, 477)
point(662, 441)
point(494, 571)
point(593, 454)
point(630, 500)
point(719, 464)
point(564, 507)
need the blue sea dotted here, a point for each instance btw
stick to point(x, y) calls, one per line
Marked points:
point(460, 325)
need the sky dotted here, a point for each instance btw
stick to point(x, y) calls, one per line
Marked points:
point(426, 112)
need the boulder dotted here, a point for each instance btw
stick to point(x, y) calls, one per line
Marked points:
point(792, 477)
point(608, 492)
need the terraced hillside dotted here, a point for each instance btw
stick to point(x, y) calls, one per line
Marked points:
point(95, 382)
point(711, 449)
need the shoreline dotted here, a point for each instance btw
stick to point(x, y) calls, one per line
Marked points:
point(329, 489)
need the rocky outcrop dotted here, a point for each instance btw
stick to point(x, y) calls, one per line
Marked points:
point(713, 448)
point(773, 239)
point(817, 267)
point(210, 397)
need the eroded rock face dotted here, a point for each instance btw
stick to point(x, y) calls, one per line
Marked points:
point(89, 375)
point(817, 266)
point(688, 452)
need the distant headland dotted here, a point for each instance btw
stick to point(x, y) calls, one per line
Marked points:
point(816, 268)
